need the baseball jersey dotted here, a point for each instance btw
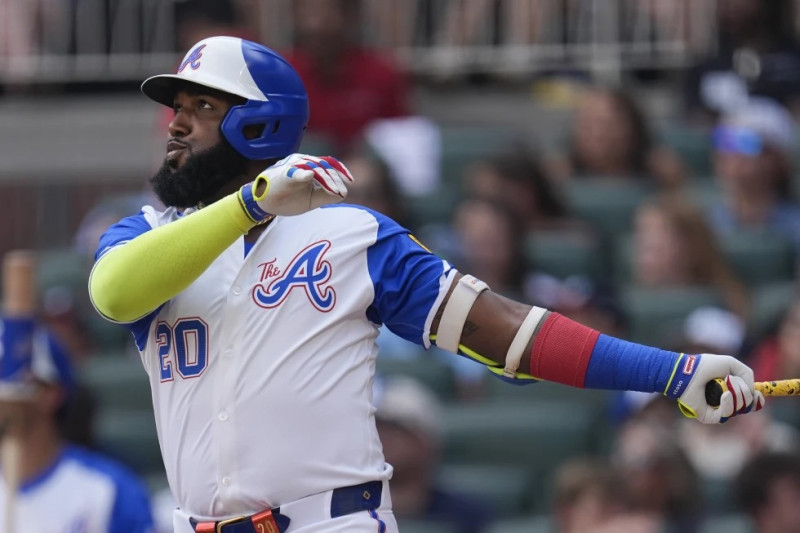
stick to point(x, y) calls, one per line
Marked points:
point(82, 492)
point(261, 370)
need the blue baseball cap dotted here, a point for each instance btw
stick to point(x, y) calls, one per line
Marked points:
point(23, 362)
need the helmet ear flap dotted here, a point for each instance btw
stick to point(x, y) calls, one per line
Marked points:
point(266, 130)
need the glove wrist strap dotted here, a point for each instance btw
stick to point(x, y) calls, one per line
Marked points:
point(682, 373)
point(249, 204)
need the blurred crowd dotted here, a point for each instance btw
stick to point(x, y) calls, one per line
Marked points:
point(682, 233)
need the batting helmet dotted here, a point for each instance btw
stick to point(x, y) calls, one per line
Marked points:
point(276, 97)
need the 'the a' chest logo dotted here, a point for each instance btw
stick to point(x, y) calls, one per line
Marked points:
point(307, 270)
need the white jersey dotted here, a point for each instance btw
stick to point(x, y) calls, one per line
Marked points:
point(82, 492)
point(261, 370)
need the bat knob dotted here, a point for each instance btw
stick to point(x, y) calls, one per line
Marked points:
point(714, 390)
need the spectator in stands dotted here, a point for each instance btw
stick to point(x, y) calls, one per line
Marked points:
point(64, 487)
point(196, 20)
point(349, 85)
point(518, 179)
point(409, 423)
point(768, 490)
point(376, 187)
point(489, 237)
point(579, 298)
point(673, 246)
point(658, 476)
point(609, 138)
point(587, 494)
point(754, 158)
point(757, 54)
point(778, 355)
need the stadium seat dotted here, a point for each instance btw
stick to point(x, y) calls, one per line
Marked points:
point(759, 256)
point(434, 208)
point(533, 524)
point(533, 437)
point(728, 523)
point(505, 489)
point(117, 381)
point(463, 145)
point(693, 145)
point(608, 205)
point(410, 525)
point(656, 315)
point(566, 253)
point(434, 373)
point(130, 436)
point(768, 303)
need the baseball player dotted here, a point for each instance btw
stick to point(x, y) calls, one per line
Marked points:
point(255, 302)
point(64, 488)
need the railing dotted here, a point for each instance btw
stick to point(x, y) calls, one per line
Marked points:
point(107, 40)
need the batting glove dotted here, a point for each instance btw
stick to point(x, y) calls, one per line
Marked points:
point(295, 185)
point(688, 385)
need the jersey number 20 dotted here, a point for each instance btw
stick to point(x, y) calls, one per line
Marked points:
point(187, 341)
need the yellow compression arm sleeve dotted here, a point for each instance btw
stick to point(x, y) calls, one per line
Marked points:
point(133, 279)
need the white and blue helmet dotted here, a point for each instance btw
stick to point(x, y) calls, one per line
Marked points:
point(276, 97)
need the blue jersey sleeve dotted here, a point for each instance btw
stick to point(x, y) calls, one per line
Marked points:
point(123, 231)
point(131, 512)
point(408, 281)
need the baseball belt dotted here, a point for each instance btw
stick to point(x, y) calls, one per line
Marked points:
point(344, 501)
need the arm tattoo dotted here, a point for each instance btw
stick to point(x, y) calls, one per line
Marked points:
point(469, 328)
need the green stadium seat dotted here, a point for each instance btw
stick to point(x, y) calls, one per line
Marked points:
point(130, 436)
point(608, 205)
point(117, 381)
point(656, 315)
point(411, 525)
point(534, 437)
point(437, 375)
point(693, 145)
point(497, 389)
point(768, 303)
point(463, 145)
point(533, 524)
point(759, 256)
point(505, 489)
point(565, 253)
point(434, 208)
point(728, 523)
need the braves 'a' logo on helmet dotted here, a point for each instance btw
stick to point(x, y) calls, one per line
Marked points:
point(307, 270)
point(193, 59)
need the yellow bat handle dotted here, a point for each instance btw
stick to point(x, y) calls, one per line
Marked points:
point(782, 387)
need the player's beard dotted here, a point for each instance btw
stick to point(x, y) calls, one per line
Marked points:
point(200, 178)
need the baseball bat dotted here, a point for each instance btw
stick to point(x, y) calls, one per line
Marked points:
point(782, 387)
point(19, 302)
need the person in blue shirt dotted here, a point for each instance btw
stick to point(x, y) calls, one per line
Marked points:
point(63, 487)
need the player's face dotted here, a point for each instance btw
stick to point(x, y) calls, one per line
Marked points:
point(199, 161)
point(195, 126)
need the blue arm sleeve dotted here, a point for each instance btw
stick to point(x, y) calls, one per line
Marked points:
point(621, 365)
point(407, 279)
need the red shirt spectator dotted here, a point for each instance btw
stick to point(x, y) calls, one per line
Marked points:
point(362, 88)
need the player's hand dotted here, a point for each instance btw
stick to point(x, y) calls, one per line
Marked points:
point(688, 386)
point(295, 185)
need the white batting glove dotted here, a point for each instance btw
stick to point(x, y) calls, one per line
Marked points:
point(295, 185)
point(688, 385)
